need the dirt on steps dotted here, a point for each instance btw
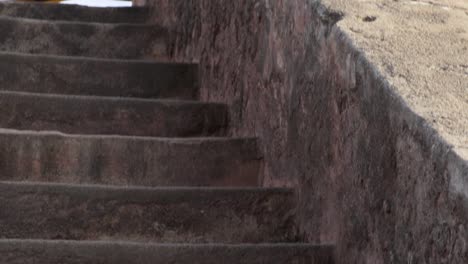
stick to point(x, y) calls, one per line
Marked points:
point(96, 76)
point(89, 115)
point(73, 12)
point(92, 252)
point(102, 161)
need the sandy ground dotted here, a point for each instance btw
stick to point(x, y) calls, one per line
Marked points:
point(422, 48)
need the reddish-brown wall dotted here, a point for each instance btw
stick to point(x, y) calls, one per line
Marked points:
point(372, 177)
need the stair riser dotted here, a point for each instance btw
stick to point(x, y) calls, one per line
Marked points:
point(125, 41)
point(67, 75)
point(74, 13)
point(76, 253)
point(105, 116)
point(128, 161)
point(170, 216)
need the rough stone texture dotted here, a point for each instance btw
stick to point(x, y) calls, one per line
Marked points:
point(374, 177)
point(102, 77)
point(41, 156)
point(74, 12)
point(51, 183)
point(111, 115)
point(171, 215)
point(72, 252)
point(124, 41)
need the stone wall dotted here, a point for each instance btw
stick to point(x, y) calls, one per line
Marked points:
point(372, 177)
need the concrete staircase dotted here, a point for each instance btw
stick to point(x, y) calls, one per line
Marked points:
point(106, 156)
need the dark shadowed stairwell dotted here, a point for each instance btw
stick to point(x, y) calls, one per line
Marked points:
point(107, 156)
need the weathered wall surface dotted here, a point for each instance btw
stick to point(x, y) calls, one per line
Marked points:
point(373, 177)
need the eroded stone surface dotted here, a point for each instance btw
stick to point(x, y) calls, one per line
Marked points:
point(124, 41)
point(169, 215)
point(73, 12)
point(88, 76)
point(116, 160)
point(72, 252)
point(374, 177)
point(87, 115)
point(57, 216)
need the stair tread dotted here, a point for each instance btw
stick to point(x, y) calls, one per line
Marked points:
point(13, 241)
point(52, 252)
point(109, 99)
point(111, 115)
point(75, 12)
point(173, 214)
point(42, 73)
point(168, 140)
point(139, 193)
point(123, 160)
point(121, 40)
point(76, 22)
point(65, 57)
point(107, 159)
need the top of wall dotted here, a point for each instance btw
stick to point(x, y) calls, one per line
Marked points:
point(421, 48)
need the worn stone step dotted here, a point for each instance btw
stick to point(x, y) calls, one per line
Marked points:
point(46, 156)
point(75, 12)
point(92, 252)
point(170, 215)
point(124, 41)
point(111, 115)
point(102, 77)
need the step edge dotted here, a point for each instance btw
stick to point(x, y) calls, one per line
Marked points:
point(65, 58)
point(153, 244)
point(169, 140)
point(142, 8)
point(114, 99)
point(165, 189)
point(80, 23)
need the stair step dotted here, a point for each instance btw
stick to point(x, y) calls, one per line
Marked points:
point(111, 115)
point(124, 41)
point(170, 215)
point(47, 156)
point(102, 77)
point(92, 252)
point(97, 165)
point(75, 12)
